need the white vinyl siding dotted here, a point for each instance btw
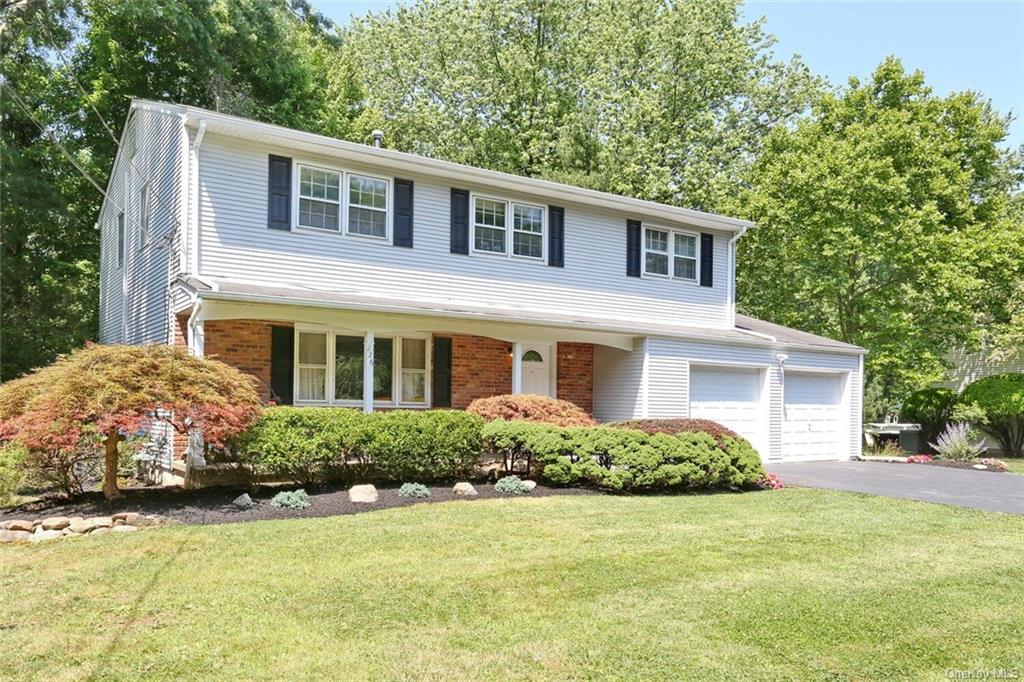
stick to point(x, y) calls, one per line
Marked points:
point(618, 383)
point(593, 283)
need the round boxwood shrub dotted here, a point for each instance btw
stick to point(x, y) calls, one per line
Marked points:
point(932, 408)
point(531, 408)
point(999, 400)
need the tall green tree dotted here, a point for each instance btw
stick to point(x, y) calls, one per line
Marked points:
point(882, 221)
point(651, 98)
point(76, 64)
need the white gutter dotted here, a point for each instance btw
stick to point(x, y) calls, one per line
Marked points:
point(732, 272)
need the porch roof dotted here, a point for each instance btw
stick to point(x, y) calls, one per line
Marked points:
point(748, 331)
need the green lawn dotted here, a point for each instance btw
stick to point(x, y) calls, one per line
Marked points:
point(1014, 465)
point(796, 584)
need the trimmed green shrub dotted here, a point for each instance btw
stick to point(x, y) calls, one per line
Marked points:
point(531, 408)
point(511, 485)
point(432, 445)
point(306, 445)
point(12, 473)
point(932, 408)
point(623, 459)
point(291, 499)
point(414, 490)
point(999, 402)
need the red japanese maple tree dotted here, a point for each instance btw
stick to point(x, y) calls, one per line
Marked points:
point(108, 392)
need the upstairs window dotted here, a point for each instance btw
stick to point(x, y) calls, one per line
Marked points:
point(669, 253)
point(319, 198)
point(508, 228)
point(489, 225)
point(368, 206)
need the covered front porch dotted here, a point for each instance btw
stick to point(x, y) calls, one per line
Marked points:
point(304, 355)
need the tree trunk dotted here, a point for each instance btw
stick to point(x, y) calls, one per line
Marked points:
point(110, 489)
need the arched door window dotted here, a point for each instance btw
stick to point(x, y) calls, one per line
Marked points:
point(532, 356)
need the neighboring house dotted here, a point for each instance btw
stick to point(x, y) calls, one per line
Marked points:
point(969, 366)
point(350, 275)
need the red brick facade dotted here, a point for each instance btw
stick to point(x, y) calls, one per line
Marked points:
point(575, 371)
point(481, 366)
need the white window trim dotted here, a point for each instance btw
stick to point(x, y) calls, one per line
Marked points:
point(396, 369)
point(670, 253)
point(509, 228)
point(122, 239)
point(388, 213)
point(343, 204)
point(145, 215)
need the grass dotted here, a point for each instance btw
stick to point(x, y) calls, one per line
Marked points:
point(1014, 465)
point(795, 584)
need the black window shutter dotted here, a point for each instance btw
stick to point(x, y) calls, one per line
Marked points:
point(707, 259)
point(279, 193)
point(460, 221)
point(282, 358)
point(441, 384)
point(633, 237)
point(556, 236)
point(403, 213)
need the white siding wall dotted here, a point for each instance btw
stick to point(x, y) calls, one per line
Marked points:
point(969, 367)
point(618, 382)
point(669, 396)
point(235, 243)
point(133, 301)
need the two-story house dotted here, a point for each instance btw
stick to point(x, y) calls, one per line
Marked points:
point(343, 274)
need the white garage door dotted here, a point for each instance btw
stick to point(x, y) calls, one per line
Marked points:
point(813, 423)
point(731, 397)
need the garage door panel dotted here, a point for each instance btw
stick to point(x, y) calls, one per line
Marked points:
point(731, 397)
point(812, 419)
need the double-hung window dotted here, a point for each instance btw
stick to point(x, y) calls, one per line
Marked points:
point(508, 227)
point(668, 253)
point(399, 369)
point(319, 198)
point(367, 206)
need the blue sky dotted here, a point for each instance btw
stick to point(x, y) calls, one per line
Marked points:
point(960, 45)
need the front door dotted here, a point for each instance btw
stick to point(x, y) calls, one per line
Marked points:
point(536, 361)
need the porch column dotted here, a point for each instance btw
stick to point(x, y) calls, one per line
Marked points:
point(517, 367)
point(197, 338)
point(368, 372)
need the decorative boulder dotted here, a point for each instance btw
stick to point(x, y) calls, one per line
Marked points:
point(364, 494)
point(42, 535)
point(464, 488)
point(55, 523)
point(529, 485)
point(243, 501)
point(20, 524)
point(14, 535)
point(123, 529)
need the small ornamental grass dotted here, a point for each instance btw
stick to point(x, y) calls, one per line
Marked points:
point(414, 490)
point(291, 499)
point(958, 443)
point(511, 485)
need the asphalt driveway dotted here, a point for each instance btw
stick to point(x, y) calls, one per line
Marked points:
point(986, 490)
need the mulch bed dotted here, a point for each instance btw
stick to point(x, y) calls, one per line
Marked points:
point(214, 505)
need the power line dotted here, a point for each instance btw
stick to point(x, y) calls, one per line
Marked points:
point(49, 135)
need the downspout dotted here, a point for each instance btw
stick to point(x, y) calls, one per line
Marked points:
point(193, 237)
point(732, 273)
point(194, 456)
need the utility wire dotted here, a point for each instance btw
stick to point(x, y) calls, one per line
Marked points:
point(50, 136)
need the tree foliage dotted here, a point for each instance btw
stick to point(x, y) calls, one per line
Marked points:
point(999, 402)
point(107, 393)
point(883, 221)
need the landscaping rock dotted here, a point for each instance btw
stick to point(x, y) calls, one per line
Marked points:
point(55, 523)
point(43, 535)
point(243, 501)
point(979, 466)
point(102, 530)
point(464, 488)
point(365, 494)
point(123, 529)
point(20, 524)
point(529, 485)
point(14, 535)
point(91, 524)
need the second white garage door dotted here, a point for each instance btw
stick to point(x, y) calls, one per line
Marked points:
point(813, 427)
point(731, 397)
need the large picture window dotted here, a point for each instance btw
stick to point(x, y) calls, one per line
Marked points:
point(400, 369)
point(319, 198)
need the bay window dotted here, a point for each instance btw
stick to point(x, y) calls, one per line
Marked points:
point(400, 369)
